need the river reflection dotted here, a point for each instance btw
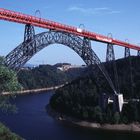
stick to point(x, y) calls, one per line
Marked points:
point(33, 123)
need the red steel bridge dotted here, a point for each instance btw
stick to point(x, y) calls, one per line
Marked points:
point(43, 23)
point(76, 38)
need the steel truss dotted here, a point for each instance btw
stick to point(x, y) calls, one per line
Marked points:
point(138, 53)
point(110, 52)
point(127, 52)
point(17, 58)
point(29, 35)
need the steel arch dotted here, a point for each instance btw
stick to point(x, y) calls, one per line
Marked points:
point(26, 50)
point(20, 55)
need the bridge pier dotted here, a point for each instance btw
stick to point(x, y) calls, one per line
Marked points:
point(29, 32)
point(118, 102)
point(127, 52)
point(29, 35)
point(110, 53)
point(86, 53)
point(138, 53)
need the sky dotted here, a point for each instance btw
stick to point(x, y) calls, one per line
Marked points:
point(121, 18)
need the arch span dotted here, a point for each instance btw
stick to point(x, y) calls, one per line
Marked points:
point(82, 46)
point(26, 50)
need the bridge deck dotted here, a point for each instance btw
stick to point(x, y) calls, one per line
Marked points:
point(43, 23)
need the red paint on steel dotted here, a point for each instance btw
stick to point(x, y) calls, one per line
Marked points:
point(43, 23)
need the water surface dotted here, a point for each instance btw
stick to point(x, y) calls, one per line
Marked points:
point(33, 123)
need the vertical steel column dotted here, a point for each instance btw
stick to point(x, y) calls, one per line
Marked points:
point(138, 53)
point(29, 34)
point(110, 50)
point(127, 52)
point(110, 53)
point(86, 53)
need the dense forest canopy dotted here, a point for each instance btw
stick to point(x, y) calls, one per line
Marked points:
point(46, 76)
point(80, 98)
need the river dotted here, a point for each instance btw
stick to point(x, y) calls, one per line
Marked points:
point(33, 123)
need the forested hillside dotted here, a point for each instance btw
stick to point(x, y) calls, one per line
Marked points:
point(47, 76)
point(80, 98)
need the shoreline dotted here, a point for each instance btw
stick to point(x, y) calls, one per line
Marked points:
point(32, 91)
point(130, 128)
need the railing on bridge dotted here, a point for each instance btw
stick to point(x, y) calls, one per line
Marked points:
point(43, 23)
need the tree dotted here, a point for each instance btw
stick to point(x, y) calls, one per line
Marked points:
point(85, 92)
point(8, 83)
point(132, 111)
point(116, 118)
point(8, 80)
point(98, 114)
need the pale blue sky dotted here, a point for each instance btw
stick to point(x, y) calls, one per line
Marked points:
point(119, 17)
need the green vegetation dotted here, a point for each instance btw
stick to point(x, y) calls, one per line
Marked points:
point(8, 82)
point(46, 76)
point(80, 98)
point(6, 134)
point(41, 77)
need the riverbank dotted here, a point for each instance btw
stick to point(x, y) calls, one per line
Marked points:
point(33, 91)
point(131, 128)
point(6, 134)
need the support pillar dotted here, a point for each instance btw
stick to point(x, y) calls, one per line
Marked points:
point(110, 53)
point(127, 52)
point(29, 34)
point(86, 53)
point(138, 53)
point(118, 102)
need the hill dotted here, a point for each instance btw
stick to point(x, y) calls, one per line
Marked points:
point(46, 76)
point(80, 98)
